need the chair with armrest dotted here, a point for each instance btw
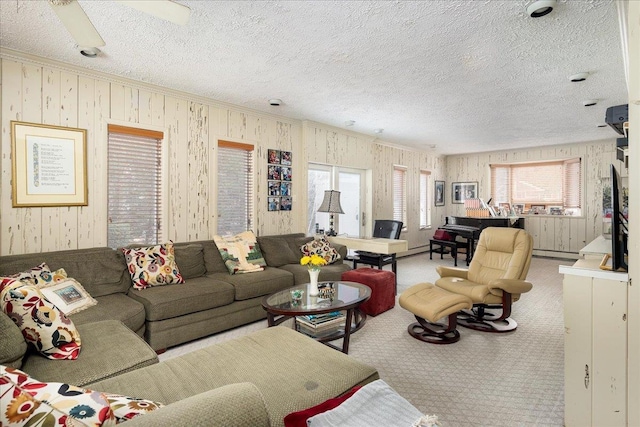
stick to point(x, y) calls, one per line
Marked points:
point(383, 228)
point(494, 280)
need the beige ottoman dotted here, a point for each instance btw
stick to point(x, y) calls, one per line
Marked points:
point(429, 304)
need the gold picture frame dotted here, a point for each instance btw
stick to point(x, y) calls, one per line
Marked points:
point(49, 165)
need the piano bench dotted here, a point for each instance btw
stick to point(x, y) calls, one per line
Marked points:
point(453, 245)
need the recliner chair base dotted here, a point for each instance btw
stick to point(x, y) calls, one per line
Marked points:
point(486, 320)
point(423, 330)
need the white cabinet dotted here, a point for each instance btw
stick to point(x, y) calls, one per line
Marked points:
point(595, 345)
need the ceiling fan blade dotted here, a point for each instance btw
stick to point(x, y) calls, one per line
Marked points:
point(77, 23)
point(163, 9)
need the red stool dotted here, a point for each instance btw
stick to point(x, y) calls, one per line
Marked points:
point(382, 284)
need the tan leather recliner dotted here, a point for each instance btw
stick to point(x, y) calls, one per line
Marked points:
point(495, 278)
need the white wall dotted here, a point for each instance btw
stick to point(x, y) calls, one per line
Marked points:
point(553, 235)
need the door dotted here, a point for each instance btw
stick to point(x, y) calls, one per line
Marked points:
point(350, 185)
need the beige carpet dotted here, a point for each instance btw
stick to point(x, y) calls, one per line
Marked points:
point(513, 379)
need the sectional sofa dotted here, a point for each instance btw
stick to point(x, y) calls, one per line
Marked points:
point(211, 300)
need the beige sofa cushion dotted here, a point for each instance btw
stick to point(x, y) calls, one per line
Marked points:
point(196, 294)
point(275, 359)
point(108, 349)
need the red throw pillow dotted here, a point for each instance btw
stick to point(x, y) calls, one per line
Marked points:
point(442, 235)
point(299, 419)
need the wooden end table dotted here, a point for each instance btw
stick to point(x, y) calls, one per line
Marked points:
point(348, 297)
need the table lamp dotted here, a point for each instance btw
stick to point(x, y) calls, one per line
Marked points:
point(331, 204)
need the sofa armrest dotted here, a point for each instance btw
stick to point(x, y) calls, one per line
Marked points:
point(445, 271)
point(233, 405)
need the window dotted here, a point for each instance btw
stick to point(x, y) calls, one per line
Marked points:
point(235, 187)
point(425, 203)
point(556, 183)
point(319, 180)
point(134, 186)
point(400, 194)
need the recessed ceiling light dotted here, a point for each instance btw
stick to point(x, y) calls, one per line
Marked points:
point(579, 77)
point(90, 52)
point(275, 102)
point(540, 8)
point(349, 123)
point(590, 102)
point(379, 130)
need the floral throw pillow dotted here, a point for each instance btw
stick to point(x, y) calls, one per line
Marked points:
point(42, 324)
point(321, 247)
point(27, 402)
point(40, 270)
point(125, 408)
point(240, 253)
point(152, 266)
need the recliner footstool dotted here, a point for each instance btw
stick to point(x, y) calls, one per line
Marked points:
point(382, 284)
point(429, 304)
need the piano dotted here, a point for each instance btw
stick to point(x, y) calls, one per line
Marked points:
point(469, 228)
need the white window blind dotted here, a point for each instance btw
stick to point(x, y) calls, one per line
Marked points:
point(134, 186)
point(425, 204)
point(400, 194)
point(548, 183)
point(235, 187)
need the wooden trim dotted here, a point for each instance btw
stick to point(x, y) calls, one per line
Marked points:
point(237, 145)
point(145, 133)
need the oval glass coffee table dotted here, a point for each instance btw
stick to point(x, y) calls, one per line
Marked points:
point(319, 317)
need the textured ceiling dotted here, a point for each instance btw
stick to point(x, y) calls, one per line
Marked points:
point(465, 76)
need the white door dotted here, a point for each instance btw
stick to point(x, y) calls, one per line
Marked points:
point(351, 186)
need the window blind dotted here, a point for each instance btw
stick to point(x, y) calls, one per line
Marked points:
point(548, 183)
point(235, 187)
point(134, 186)
point(399, 194)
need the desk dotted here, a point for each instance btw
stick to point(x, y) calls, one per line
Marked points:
point(374, 244)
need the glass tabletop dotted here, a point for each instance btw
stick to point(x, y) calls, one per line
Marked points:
point(345, 295)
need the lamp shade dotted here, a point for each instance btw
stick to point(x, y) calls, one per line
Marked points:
point(331, 202)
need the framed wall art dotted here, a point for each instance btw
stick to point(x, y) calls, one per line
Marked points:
point(439, 193)
point(49, 165)
point(279, 180)
point(462, 191)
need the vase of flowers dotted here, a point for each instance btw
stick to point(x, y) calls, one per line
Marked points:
point(313, 263)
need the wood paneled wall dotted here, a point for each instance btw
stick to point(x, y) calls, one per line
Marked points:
point(35, 91)
point(334, 146)
point(40, 91)
point(553, 235)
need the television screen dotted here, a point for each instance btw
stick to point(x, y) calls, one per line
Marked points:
point(619, 229)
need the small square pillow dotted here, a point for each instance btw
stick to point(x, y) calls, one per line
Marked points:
point(240, 253)
point(42, 324)
point(152, 266)
point(321, 247)
point(68, 295)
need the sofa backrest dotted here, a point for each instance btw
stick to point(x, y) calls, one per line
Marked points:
point(101, 271)
point(282, 249)
point(12, 344)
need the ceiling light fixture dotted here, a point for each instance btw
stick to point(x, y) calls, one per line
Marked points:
point(378, 131)
point(90, 52)
point(349, 123)
point(275, 102)
point(540, 8)
point(579, 77)
point(589, 102)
